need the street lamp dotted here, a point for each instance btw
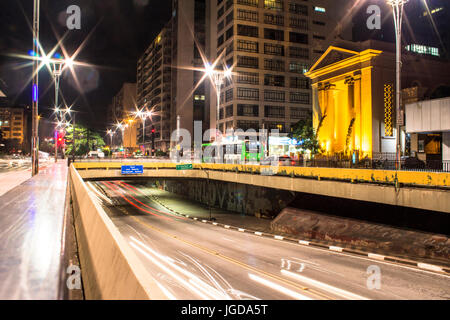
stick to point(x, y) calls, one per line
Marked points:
point(111, 134)
point(35, 93)
point(143, 115)
point(217, 78)
point(397, 12)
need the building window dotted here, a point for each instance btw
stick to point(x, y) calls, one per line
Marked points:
point(272, 34)
point(319, 23)
point(296, 52)
point(274, 5)
point(220, 41)
point(230, 48)
point(299, 113)
point(247, 94)
point(299, 97)
point(248, 78)
point(320, 9)
point(298, 67)
point(272, 95)
point(220, 26)
point(229, 95)
point(248, 46)
point(299, 83)
point(298, 23)
point(274, 112)
point(248, 62)
point(298, 37)
point(247, 15)
point(229, 33)
point(220, 12)
point(230, 18)
point(273, 19)
point(248, 125)
point(298, 8)
point(247, 31)
point(248, 110)
point(252, 3)
point(274, 65)
point(229, 111)
point(273, 80)
point(273, 49)
point(318, 37)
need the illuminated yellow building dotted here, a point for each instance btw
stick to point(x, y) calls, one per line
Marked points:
point(353, 101)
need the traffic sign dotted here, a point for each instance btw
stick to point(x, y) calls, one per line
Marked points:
point(185, 167)
point(130, 170)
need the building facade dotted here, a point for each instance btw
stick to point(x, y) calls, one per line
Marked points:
point(269, 44)
point(13, 124)
point(122, 108)
point(354, 95)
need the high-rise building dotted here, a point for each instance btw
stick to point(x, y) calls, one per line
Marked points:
point(426, 26)
point(122, 107)
point(13, 124)
point(166, 81)
point(270, 44)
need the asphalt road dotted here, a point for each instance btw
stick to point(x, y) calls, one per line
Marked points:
point(193, 260)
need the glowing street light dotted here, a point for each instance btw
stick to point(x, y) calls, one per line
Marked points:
point(217, 77)
point(143, 115)
point(397, 12)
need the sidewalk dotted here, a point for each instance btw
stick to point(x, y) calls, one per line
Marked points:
point(11, 179)
point(31, 235)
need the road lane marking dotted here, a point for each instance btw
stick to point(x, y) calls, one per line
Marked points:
point(278, 288)
point(236, 262)
point(324, 286)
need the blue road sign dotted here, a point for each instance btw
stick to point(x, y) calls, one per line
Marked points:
point(132, 170)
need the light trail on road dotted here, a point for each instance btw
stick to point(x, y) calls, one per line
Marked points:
point(195, 260)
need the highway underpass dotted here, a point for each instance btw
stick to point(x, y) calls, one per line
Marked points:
point(186, 259)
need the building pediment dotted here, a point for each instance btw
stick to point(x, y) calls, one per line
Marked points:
point(331, 56)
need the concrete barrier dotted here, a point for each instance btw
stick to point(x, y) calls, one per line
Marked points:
point(110, 269)
point(381, 238)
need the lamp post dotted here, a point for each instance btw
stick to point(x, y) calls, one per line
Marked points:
point(397, 12)
point(217, 78)
point(143, 115)
point(35, 93)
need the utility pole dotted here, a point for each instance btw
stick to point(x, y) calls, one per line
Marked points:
point(35, 92)
point(74, 137)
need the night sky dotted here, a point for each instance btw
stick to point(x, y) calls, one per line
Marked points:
point(120, 31)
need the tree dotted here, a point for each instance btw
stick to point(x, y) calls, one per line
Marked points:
point(304, 132)
point(85, 139)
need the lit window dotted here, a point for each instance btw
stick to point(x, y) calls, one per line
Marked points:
point(320, 9)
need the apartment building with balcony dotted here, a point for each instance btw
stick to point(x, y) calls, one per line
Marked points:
point(270, 44)
point(166, 79)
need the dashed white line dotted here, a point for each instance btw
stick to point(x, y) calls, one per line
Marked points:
point(429, 267)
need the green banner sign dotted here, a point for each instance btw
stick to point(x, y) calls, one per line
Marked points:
point(185, 167)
